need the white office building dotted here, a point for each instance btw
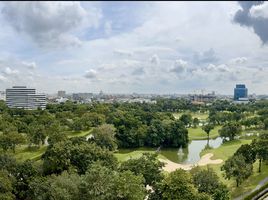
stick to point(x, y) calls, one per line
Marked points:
point(23, 97)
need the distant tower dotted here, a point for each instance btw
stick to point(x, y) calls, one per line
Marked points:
point(240, 91)
point(61, 93)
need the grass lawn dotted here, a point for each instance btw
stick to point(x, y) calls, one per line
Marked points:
point(199, 134)
point(125, 154)
point(200, 116)
point(224, 152)
point(33, 153)
point(71, 134)
point(252, 181)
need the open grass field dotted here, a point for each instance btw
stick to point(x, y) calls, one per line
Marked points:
point(199, 134)
point(23, 152)
point(125, 154)
point(71, 134)
point(33, 153)
point(224, 152)
point(200, 116)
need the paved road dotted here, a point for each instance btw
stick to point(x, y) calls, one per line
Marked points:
point(261, 183)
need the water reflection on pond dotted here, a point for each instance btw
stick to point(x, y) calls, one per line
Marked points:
point(190, 154)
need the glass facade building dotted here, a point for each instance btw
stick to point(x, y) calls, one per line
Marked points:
point(240, 91)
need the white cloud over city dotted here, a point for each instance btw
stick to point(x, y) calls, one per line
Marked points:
point(158, 47)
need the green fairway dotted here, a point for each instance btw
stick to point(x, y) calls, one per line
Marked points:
point(33, 153)
point(224, 152)
point(71, 134)
point(199, 134)
point(200, 116)
point(125, 154)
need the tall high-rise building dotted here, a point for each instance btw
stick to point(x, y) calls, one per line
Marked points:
point(61, 93)
point(240, 92)
point(23, 97)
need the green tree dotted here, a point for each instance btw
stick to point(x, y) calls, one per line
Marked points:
point(230, 130)
point(92, 119)
point(260, 147)
point(5, 186)
point(76, 153)
point(156, 134)
point(178, 134)
point(104, 136)
point(248, 152)
point(10, 140)
point(129, 186)
point(23, 174)
point(101, 183)
point(195, 122)
point(237, 168)
point(206, 180)
point(207, 128)
point(147, 165)
point(39, 189)
point(57, 157)
point(84, 154)
point(265, 122)
point(57, 137)
point(36, 133)
point(186, 119)
point(9, 127)
point(77, 124)
point(7, 162)
point(64, 187)
point(221, 193)
point(177, 185)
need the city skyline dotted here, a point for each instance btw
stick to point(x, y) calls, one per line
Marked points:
point(134, 47)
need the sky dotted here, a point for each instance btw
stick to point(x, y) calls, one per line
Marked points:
point(141, 47)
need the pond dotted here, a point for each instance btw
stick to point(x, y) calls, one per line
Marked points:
point(188, 155)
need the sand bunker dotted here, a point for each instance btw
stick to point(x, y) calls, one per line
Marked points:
point(205, 160)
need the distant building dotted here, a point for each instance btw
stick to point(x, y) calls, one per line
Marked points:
point(2, 95)
point(26, 98)
point(202, 98)
point(61, 100)
point(61, 93)
point(82, 96)
point(240, 92)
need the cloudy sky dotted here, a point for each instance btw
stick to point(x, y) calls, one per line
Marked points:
point(126, 47)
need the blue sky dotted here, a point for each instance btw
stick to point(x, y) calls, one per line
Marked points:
point(126, 47)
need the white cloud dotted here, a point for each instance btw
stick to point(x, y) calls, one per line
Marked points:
point(2, 78)
point(49, 23)
point(121, 52)
point(29, 65)
point(260, 10)
point(135, 52)
point(9, 71)
point(155, 60)
point(91, 74)
point(139, 71)
point(205, 57)
point(179, 66)
point(108, 27)
point(238, 60)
